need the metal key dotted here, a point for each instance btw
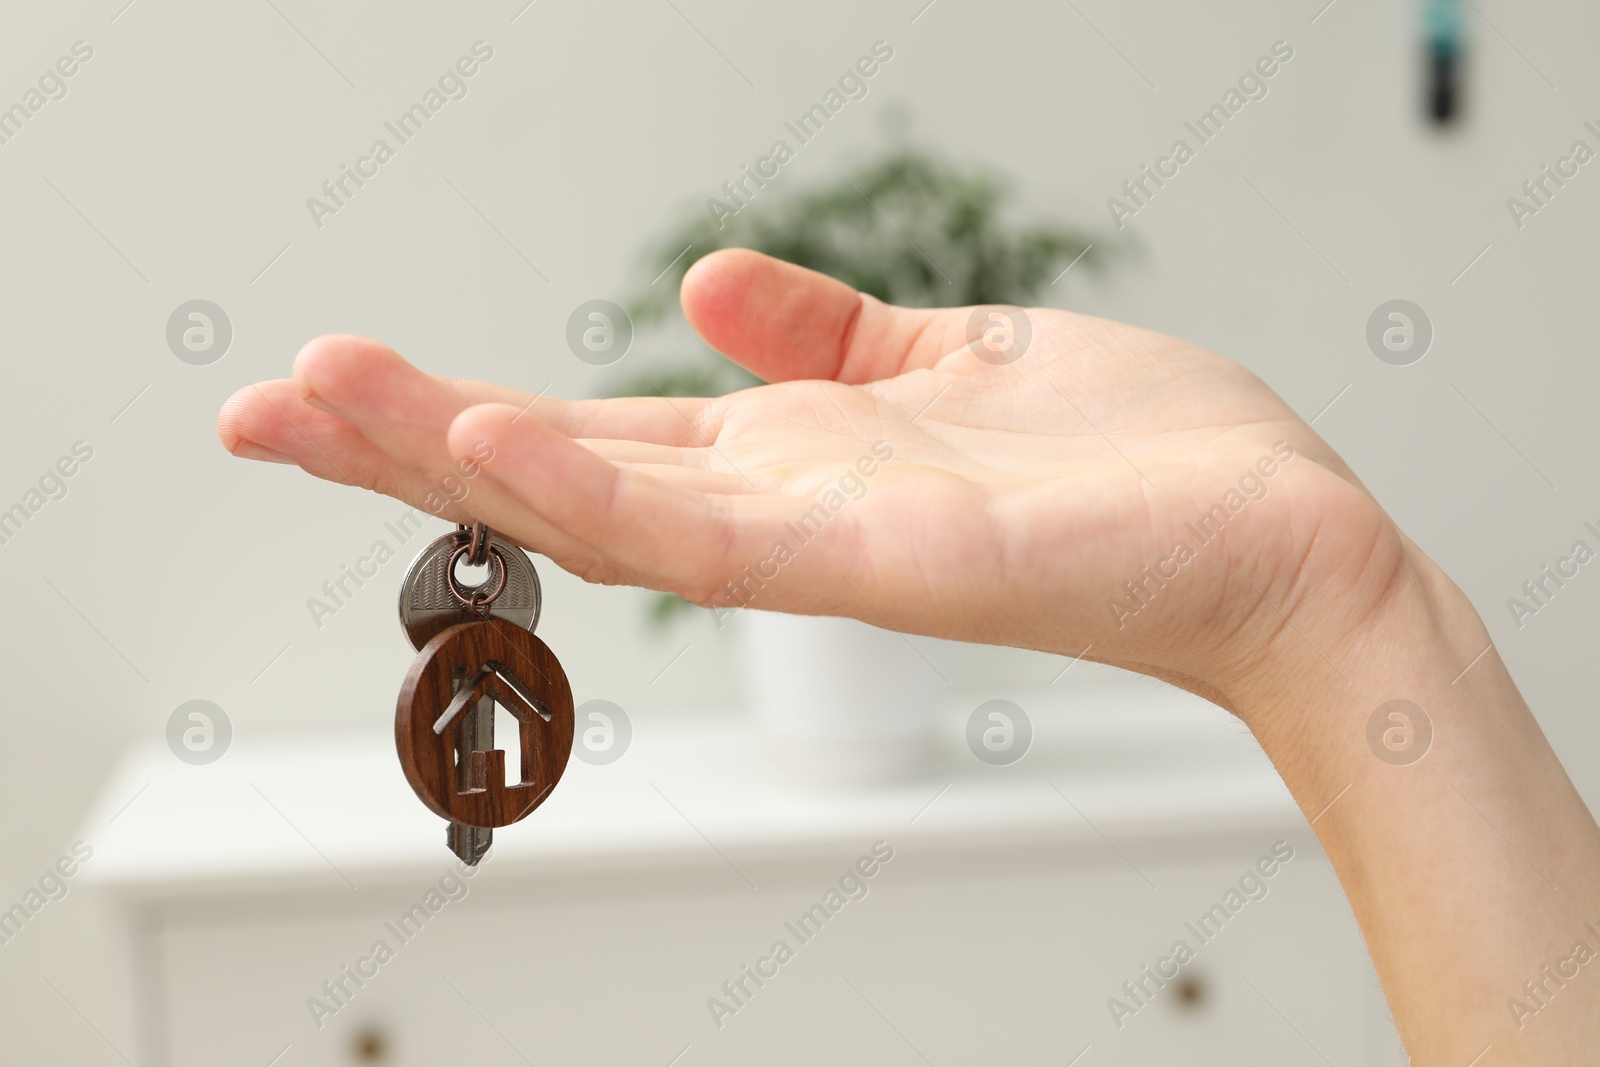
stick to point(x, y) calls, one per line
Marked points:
point(431, 601)
point(427, 605)
point(471, 843)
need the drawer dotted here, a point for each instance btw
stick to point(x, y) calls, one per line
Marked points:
point(995, 957)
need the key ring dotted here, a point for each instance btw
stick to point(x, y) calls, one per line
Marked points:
point(477, 600)
point(476, 653)
point(478, 545)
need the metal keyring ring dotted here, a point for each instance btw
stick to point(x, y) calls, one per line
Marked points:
point(477, 598)
point(478, 546)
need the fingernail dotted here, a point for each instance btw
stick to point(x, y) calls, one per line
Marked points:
point(250, 450)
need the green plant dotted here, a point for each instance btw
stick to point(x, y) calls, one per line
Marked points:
point(907, 228)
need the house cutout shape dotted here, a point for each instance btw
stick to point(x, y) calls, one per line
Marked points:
point(499, 683)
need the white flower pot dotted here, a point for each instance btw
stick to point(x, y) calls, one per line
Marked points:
point(840, 700)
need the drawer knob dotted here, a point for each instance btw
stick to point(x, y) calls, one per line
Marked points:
point(371, 1045)
point(1191, 992)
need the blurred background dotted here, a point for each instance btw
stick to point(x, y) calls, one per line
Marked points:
point(174, 164)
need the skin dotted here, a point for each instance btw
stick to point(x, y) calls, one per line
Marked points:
point(1027, 494)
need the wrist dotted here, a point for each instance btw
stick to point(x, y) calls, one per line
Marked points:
point(1337, 656)
point(1406, 745)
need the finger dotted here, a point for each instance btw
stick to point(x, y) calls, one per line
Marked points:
point(647, 452)
point(644, 530)
point(362, 416)
point(398, 408)
point(678, 421)
point(693, 478)
point(270, 421)
point(784, 322)
point(363, 379)
point(702, 468)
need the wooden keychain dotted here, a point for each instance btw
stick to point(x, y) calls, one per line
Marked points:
point(477, 651)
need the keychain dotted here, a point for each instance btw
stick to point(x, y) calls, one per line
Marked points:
point(476, 650)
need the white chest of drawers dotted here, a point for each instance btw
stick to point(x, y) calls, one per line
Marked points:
point(277, 904)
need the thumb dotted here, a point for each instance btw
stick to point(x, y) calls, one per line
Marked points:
point(783, 322)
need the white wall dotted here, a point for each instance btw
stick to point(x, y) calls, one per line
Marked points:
point(192, 138)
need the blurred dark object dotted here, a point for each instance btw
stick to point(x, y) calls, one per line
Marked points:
point(1191, 992)
point(371, 1045)
point(1444, 32)
point(1444, 90)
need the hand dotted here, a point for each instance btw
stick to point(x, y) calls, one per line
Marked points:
point(1008, 503)
point(1059, 501)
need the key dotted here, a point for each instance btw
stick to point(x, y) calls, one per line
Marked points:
point(475, 652)
point(471, 843)
point(428, 606)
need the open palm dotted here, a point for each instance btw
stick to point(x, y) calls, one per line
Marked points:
point(1093, 487)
